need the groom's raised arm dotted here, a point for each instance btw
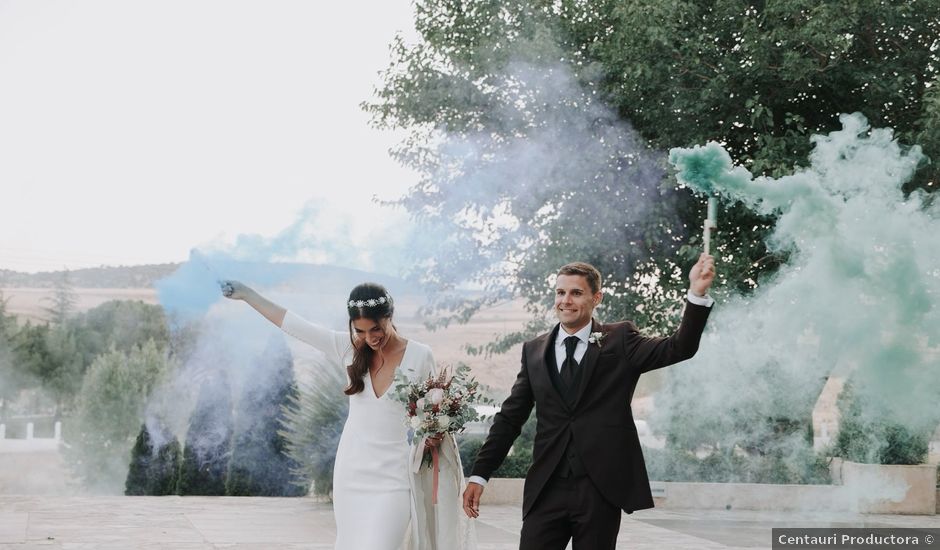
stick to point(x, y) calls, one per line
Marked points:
point(650, 353)
point(647, 354)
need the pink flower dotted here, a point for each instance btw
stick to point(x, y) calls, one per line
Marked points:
point(435, 395)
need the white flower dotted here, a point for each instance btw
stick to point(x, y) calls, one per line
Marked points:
point(415, 422)
point(443, 421)
point(420, 404)
point(435, 396)
point(596, 337)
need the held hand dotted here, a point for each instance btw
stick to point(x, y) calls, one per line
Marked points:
point(702, 275)
point(234, 290)
point(471, 499)
point(434, 440)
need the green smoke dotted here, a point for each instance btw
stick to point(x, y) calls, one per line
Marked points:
point(857, 299)
point(707, 169)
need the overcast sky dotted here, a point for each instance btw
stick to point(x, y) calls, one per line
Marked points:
point(131, 132)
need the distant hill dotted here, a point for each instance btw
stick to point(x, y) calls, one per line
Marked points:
point(320, 290)
point(145, 276)
point(137, 276)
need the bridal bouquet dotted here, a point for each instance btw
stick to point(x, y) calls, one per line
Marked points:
point(441, 404)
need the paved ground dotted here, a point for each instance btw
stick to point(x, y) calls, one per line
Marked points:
point(208, 523)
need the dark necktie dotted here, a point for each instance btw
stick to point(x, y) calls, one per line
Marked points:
point(570, 366)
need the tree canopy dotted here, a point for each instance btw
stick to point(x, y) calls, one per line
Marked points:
point(110, 409)
point(537, 129)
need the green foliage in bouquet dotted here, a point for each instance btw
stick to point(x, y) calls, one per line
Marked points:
point(443, 403)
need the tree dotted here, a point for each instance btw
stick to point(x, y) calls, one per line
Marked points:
point(508, 197)
point(516, 463)
point(63, 370)
point(30, 345)
point(928, 128)
point(869, 433)
point(517, 116)
point(260, 466)
point(761, 77)
point(48, 355)
point(12, 377)
point(55, 356)
point(313, 423)
point(138, 473)
point(110, 408)
point(63, 300)
point(154, 467)
point(208, 447)
point(122, 324)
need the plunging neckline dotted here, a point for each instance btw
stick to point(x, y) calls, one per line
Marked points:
point(372, 383)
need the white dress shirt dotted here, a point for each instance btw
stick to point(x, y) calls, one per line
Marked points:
point(560, 352)
point(583, 334)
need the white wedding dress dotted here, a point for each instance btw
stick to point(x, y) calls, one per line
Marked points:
point(377, 494)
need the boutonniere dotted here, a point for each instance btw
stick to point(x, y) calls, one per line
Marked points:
point(596, 337)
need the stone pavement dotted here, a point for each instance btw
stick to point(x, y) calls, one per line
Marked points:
point(254, 523)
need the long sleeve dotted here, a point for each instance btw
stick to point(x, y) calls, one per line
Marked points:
point(335, 345)
point(507, 424)
point(650, 353)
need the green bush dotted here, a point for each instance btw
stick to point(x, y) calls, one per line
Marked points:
point(797, 466)
point(786, 459)
point(166, 468)
point(312, 424)
point(904, 446)
point(110, 409)
point(881, 443)
point(260, 466)
point(208, 447)
point(153, 471)
point(138, 473)
point(515, 465)
point(869, 435)
point(469, 446)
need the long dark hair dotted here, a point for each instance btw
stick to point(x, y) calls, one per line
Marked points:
point(366, 301)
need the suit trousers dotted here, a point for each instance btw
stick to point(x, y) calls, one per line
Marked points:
point(571, 507)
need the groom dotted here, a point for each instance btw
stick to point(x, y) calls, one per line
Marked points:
point(587, 464)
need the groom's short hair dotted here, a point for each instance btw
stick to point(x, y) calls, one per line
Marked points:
point(587, 271)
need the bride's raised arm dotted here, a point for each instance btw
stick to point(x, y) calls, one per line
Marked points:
point(332, 343)
point(235, 290)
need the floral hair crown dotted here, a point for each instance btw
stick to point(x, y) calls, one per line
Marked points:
point(371, 302)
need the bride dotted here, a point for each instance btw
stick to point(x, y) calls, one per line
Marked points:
point(377, 493)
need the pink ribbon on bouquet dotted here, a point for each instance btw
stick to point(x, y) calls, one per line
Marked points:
point(435, 465)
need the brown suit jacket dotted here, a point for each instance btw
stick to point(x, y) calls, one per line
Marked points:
point(600, 421)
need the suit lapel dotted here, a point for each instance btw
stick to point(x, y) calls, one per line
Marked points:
point(588, 362)
point(545, 352)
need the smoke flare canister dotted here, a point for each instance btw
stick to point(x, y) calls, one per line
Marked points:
point(711, 222)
